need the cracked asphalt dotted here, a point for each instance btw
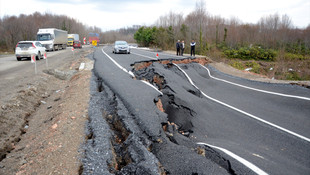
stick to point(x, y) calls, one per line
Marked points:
point(135, 129)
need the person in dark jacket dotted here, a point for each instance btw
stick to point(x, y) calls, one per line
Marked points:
point(182, 47)
point(178, 46)
point(193, 44)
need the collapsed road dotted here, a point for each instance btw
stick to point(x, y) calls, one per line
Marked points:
point(177, 115)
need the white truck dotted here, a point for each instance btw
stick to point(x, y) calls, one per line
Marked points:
point(72, 37)
point(53, 39)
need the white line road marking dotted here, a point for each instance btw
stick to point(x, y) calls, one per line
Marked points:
point(257, 155)
point(238, 158)
point(149, 84)
point(144, 56)
point(161, 53)
point(129, 72)
point(243, 112)
point(118, 65)
point(254, 89)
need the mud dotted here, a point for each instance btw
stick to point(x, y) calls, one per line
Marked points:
point(143, 64)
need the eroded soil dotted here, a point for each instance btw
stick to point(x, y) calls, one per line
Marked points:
point(42, 125)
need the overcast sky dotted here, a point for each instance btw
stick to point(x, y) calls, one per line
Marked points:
point(115, 14)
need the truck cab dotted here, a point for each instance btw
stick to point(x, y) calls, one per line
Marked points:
point(77, 44)
point(52, 38)
point(70, 41)
point(71, 38)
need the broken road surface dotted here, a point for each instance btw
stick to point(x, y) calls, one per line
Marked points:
point(177, 115)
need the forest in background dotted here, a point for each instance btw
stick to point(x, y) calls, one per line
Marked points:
point(25, 27)
point(273, 39)
point(270, 32)
point(273, 46)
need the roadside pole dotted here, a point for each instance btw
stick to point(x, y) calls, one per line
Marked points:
point(33, 60)
point(157, 53)
point(72, 51)
point(45, 57)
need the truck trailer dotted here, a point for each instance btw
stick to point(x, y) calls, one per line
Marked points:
point(72, 38)
point(93, 37)
point(53, 39)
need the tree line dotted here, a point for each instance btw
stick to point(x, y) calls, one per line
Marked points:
point(25, 27)
point(271, 33)
point(126, 34)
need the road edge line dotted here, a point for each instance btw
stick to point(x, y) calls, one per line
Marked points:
point(238, 158)
point(254, 89)
point(243, 112)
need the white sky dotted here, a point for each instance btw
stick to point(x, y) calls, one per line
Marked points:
point(115, 14)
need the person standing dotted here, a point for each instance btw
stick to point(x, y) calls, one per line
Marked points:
point(193, 44)
point(182, 47)
point(178, 46)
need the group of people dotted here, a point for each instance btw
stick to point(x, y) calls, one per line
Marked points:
point(180, 46)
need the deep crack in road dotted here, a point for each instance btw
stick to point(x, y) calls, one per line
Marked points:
point(134, 129)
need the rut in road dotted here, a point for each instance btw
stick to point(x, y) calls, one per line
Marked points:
point(179, 114)
point(111, 146)
point(117, 143)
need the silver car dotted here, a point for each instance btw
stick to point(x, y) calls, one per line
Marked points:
point(24, 49)
point(121, 47)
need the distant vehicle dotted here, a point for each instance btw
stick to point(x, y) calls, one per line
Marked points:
point(121, 47)
point(53, 39)
point(92, 37)
point(24, 49)
point(77, 44)
point(71, 38)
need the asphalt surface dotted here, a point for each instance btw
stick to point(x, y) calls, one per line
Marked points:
point(208, 126)
point(14, 73)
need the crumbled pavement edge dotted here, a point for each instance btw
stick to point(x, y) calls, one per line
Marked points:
point(53, 145)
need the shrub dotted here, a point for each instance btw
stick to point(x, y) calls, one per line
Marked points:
point(237, 65)
point(292, 56)
point(256, 53)
point(254, 65)
point(292, 76)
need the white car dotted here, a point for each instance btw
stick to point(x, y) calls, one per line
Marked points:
point(121, 47)
point(24, 49)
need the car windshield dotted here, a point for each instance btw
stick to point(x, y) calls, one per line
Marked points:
point(44, 37)
point(70, 39)
point(120, 43)
point(76, 42)
point(24, 45)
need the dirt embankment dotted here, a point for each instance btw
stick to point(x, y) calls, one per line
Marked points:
point(42, 127)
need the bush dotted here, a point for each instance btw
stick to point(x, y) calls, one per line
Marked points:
point(247, 53)
point(292, 76)
point(243, 65)
point(292, 56)
point(237, 65)
point(254, 65)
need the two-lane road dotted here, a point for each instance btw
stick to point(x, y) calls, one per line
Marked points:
point(265, 127)
point(14, 74)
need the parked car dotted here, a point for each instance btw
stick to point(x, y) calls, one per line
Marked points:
point(121, 47)
point(24, 49)
point(77, 44)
